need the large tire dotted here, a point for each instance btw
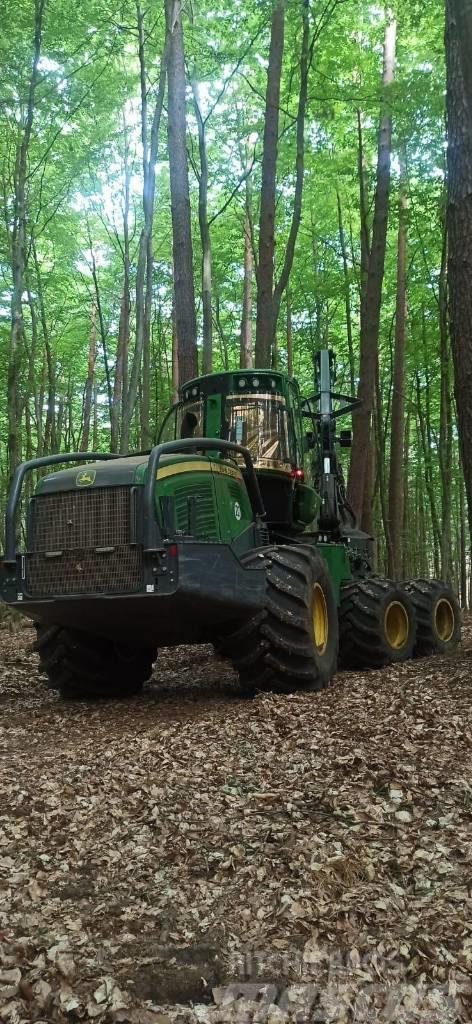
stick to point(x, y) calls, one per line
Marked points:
point(438, 616)
point(377, 623)
point(293, 644)
point(80, 665)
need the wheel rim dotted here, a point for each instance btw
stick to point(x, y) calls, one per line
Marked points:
point(396, 625)
point(444, 619)
point(320, 619)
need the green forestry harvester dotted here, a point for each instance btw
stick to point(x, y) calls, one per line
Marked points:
point(234, 530)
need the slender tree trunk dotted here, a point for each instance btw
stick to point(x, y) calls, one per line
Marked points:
point(463, 545)
point(459, 220)
point(347, 295)
point(445, 417)
point(265, 267)
point(34, 392)
point(206, 271)
point(364, 215)
point(184, 293)
point(397, 439)
point(89, 383)
point(95, 420)
point(175, 357)
point(51, 441)
point(221, 334)
point(18, 249)
point(141, 354)
point(245, 352)
point(406, 560)
point(370, 309)
point(305, 61)
point(120, 382)
point(145, 407)
point(289, 333)
point(424, 428)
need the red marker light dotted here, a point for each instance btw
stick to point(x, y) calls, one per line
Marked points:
point(297, 473)
point(172, 549)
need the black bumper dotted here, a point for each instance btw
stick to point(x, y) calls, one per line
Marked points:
point(203, 590)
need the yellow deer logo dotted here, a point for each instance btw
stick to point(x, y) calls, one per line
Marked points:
point(85, 477)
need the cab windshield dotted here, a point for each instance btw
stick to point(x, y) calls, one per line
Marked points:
point(259, 423)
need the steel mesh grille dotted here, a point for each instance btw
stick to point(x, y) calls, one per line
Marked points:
point(67, 529)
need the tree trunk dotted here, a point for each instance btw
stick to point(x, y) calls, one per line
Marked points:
point(175, 357)
point(445, 417)
point(461, 12)
point(18, 249)
point(207, 356)
point(141, 354)
point(245, 351)
point(406, 560)
point(358, 487)
point(51, 441)
point(397, 440)
point(184, 293)
point(289, 334)
point(265, 267)
point(424, 427)
point(347, 295)
point(463, 546)
point(120, 381)
point(89, 389)
point(364, 214)
point(306, 54)
point(459, 221)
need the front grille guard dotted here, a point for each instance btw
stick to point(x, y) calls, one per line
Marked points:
point(152, 537)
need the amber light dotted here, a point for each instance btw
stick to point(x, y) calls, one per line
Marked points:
point(297, 473)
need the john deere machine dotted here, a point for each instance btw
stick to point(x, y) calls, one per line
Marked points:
point(235, 529)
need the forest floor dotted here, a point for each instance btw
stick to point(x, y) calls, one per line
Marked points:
point(187, 856)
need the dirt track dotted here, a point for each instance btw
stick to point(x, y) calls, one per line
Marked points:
point(154, 850)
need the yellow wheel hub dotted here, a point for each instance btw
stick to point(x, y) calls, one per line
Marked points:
point(320, 619)
point(396, 625)
point(444, 619)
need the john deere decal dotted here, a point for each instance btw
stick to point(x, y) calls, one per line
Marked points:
point(85, 477)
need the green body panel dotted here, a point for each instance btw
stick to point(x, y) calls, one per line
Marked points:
point(306, 504)
point(337, 560)
point(211, 500)
point(210, 504)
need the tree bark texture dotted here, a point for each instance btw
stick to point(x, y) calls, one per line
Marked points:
point(245, 353)
point(459, 221)
point(185, 319)
point(397, 437)
point(358, 486)
point(89, 383)
point(265, 268)
point(18, 248)
point(206, 270)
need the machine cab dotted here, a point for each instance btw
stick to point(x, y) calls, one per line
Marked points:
point(259, 409)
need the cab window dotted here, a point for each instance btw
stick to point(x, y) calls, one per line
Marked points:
point(259, 423)
point(183, 421)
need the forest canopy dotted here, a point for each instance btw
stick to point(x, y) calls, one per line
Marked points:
point(190, 187)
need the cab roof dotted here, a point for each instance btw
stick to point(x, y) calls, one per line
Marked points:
point(237, 381)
